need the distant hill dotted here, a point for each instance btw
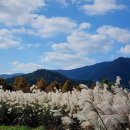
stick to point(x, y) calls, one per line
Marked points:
point(105, 70)
point(6, 76)
point(47, 75)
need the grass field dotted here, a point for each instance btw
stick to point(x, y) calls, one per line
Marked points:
point(19, 128)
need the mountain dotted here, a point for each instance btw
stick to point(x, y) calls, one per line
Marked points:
point(48, 76)
point(6, 76)
point(104, 70)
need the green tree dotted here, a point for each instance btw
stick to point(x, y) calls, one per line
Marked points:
point(66, 86)
point(2, 82)
point(78, 88)
point(5, 85)
point(105, 81)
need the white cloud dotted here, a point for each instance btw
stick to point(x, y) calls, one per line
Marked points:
point(29, 46)
point(116, 33)
point(76, 50)
point(63, 2)
point(61, 47)
point(22, 13)
point(89, 43)
point(82, 42)
point(65, 61)
point(33, 45)
point(100, 7)
point(67, 2)
point(7, 40)
point(47, 27)
point(84, 26)
point(24, 67)
point(125, 50)
point(13, 12)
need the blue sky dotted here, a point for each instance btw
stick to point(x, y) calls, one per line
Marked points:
point(62, 34)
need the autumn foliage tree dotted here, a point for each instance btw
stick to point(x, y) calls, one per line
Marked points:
point(52, 87)
point(41, 84)
point(19, 84)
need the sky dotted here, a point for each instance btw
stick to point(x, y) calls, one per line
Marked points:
point(62, 34)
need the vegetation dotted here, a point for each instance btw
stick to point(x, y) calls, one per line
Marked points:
point(107, 82)
point(41, 84)
point(48, 76)
point(66, 87)
point(44, 80)
point(19, 128)
point(5, 85)
point(54, 85)
point(87, 109)
point(19, 83)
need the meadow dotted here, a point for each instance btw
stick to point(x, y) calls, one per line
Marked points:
point(102, 108)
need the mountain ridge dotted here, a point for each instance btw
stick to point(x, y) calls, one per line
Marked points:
point(97, 72)
point(6, 76)
point(49, 76)
point(104, 70)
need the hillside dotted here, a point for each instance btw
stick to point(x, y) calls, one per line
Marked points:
point(48, 76)
point(105, 70)
point(6, 76)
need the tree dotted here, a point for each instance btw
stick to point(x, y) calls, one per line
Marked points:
point(78, 88)
point(41, 84)
point(105, 81)
point(5, 85)
point(66, 86)
point(2, 82)
point(52, 87)
point(19, 83)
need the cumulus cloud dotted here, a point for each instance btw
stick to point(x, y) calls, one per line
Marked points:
point(73, 2)
point(24, 67)
point(116, 33)
point(81, 45)
point(89, 43)
point(61, 47)
point(29, 46)
point(84, 26)
point(76, 50)
point(14, 12)
point(23, 13)
point(83, 42)
point(100, 7)
point(7, 40)
point(125, 50)
point(63, 2)
point(47, 27)
point(66, 60)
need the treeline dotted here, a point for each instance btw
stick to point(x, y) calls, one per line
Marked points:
point(20, 83)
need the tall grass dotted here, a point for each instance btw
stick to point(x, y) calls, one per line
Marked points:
point(19, 128)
